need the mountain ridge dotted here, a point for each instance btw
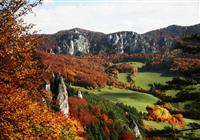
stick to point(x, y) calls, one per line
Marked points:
point(77, 40)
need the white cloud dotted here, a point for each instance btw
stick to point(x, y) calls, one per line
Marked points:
point(112, 17)
point(48, 1)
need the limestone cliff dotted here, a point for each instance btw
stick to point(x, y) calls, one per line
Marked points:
point(77, 41)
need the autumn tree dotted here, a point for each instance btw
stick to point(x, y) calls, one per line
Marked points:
point(24, 118)
point(24, 113)
point(161, 114)
point(17, 64)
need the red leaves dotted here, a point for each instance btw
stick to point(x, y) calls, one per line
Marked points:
point(79, 109)
point(83, 71)
point(77, 102)
point(106, 130)
point(104, 117)
point(97, 110)
point(125, 67)
point(86, 117)
point(184, 64)
point(127, 135)
point(177, 120)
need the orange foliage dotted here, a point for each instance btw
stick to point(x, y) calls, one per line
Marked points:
point(25, 118)
point(185, 64)
point(177, 120)
point(86, 71)
point(161, 114)
point(17, 64)
point(83, 71)
point(23, 114)
point(104, 117)
point(124, 67)
point(158, 113)
point(106, 130)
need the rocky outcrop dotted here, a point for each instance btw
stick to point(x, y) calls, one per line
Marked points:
point(128, 42)
point(59, 93)
point(62, 97)
point(77, 41)
point(73, 44)
point(137, 131)
point(80, 95)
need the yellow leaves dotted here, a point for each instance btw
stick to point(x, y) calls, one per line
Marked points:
point(75, 124)
point(17, 46)
point(158, 113)
point(161, 114)
point(23, 117)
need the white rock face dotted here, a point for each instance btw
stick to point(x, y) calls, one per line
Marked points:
point(81, 44)
point(116, 39)
point(78, 42)
point(137, 131)
point(44, 101)
point(130, 41)
point(48, 88)
point(80, 95)
point(74, 44)
point(62, 97)
point(51, 51)
point(71, 48)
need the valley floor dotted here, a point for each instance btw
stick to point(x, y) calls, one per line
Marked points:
point(136, 99)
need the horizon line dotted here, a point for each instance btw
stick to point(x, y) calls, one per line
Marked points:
point(120, 30)
point(118, 1)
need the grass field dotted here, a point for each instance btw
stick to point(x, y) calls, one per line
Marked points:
point(162, 125)
point(143, 79)
point(156, 125)
point(132, 98)
point(123, 77)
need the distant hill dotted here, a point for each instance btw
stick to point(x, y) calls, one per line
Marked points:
point(76, 41)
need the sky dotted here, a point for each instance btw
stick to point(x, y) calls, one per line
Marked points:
point(110, 16)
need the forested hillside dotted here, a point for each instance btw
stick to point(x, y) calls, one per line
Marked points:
point(123, 88)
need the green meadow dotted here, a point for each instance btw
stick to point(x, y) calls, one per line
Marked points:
point(136, 99)
point(143, 79)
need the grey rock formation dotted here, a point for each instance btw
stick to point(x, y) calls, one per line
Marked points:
point(77, 41)
point(62, 97)
point(129, 42)
point(59, 93)
point(80, 95)
point(137, 131)
point(72, 43)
